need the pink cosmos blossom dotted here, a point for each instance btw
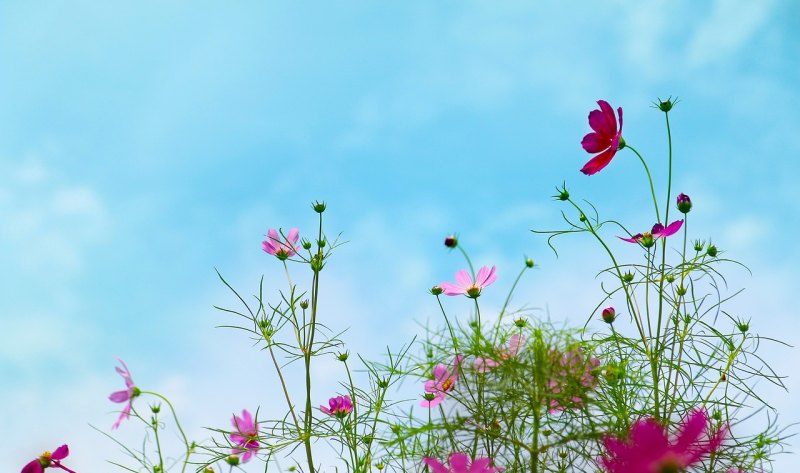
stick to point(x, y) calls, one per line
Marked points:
point(605, 138)
point(573, 375)
point(460, 463)
point(339, 406)
point(245, 436)
point(126, 395)
point(47, 460)
point(484, 365)
point(282, 247)
point(444, 381)
point(465, 285)
point(649, 449)
point(658, 231)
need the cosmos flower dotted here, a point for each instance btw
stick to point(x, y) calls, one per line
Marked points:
point(48, 460)
point(659, 231)
point(465, 285)
point(484, 365)
point(648, 448)
point(444, 381)
point(280, 246)
point(605, 139)
point(460, 463)
point(125, 395)
point(339, 406)
point(245, 436)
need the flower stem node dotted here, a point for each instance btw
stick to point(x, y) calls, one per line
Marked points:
point(609, 314)
point(451, 241)
point(684, 203)
point(319, 207)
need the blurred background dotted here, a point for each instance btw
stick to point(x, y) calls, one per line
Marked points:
point(144, 144)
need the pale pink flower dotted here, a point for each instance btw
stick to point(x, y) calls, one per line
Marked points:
point(339, 406)
point(444, 381)
point(465, 285)
point(48, 460)
point(485, 364)
point(648, 448)
point(460, 463)
point(125, 395)
point(572, 377)
point(245, 436)
point(280, 246)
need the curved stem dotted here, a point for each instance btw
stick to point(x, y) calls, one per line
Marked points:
point(177, 424)
point(650, 179)
point(469, 261)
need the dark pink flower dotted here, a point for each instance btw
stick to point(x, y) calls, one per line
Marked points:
point(659, 231)
point(245, 436)
point(48, 460)
point(604, 139)
point(444, 381)
point(465, 285)
point(609, 314)
point(460, 463)
point(280, 246)
point(126, 395)
point(484, 365)
point(649, 449)
point(339, 406)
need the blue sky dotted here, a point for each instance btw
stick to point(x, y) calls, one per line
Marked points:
point(143, 145)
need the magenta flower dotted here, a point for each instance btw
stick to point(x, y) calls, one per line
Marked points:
point(484, 365)
point(245, 436)
point(659, 231)
point(648, 448)
point(609, 315)
point(48, 460)
point(465, 285)
point(460, 463)
point(605, 138)
point(444, 381)
point(280, 246)
point(339, 406)
point(126, 395)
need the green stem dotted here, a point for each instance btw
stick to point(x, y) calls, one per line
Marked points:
point(650, 179)
point(508, 299)
point(177, 424)
point(469, 261)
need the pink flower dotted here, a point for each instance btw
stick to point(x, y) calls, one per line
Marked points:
point(460, 463)
point(126, 395)
point(465, 285)
point(484, 365)
point(245, 436)
point(444, 381)
point(605, 138)
point(649, 449)
point(279, 246)
point(47, 460)
point(339, 406)
point(573, 376)
point(659, 231)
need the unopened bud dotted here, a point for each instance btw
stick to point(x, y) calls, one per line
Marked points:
point(528, 262)
point(627, 277)
point(609, 314)
point(698, 245)
point(304, 304)
point(451, 241)
point(684, 203)
point(232, 460)
point(306, 244)
point(155, 408)
point(711, 251)
point(343, 356)
point(666, 104)
point(681, 290)
point(319, 207)
point(670, 278)
point(743, 326)
point(520, 322)
point(436, 290)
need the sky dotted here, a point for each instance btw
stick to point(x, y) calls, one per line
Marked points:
point(143, 145)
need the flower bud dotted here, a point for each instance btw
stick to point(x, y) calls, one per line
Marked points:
point(684, 203)
point(711, 251)
point(547, 432)
point(716, 415)
point(528, 262)
point(563, 193)
point(383, 383)
point(520, 322)
point(155, 408)
point(318, 207)
point(208, 469)
point(627, 277)
point(317, 263)
point(698, 245)
point(609, 314)
point(306, 244)
point(743, 326)
point(451, 241)
point(436, 290)
point(582, 218)
point(670, 278)
point(232, 460)
point(343, 356)
point(304, 304)
point(666, 104)
point(681, 290)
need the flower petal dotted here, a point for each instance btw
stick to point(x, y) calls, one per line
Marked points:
point(120, 396)
point(463, 278)
point(459, 462)
point(32, 467)
point(595, 142)
point(670, 229)
point(435, 466)
point(486, 276)
point(599, 124)
point(450, 289)
point(633, 239)
point(598, 162)
point(608, 115)
point(60, 453)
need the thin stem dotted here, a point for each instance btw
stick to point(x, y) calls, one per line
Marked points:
point(508, 299)
point(469, 261)
point(177, 424)
point(650, 179)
